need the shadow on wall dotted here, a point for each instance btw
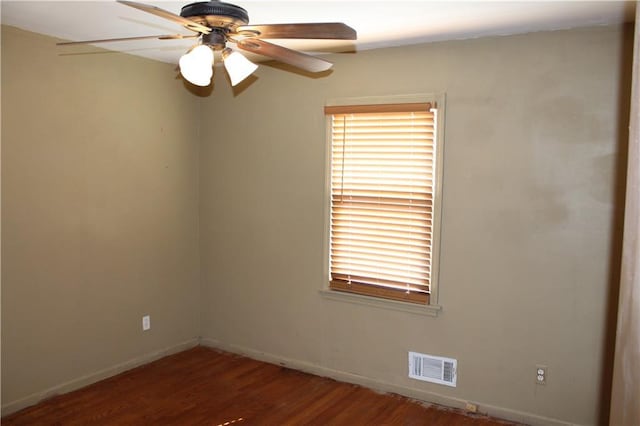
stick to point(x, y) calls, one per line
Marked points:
point(617, 226)
point(199, 91)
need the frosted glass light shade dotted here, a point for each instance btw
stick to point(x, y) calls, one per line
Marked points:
point(238, 67)
point(197, 65)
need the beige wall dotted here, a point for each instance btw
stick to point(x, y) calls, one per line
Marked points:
point(99, 213)
point(532, 139)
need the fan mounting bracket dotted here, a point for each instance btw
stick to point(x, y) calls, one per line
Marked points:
point(216, 14)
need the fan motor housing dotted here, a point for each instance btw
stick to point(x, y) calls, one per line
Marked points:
point(216, 14)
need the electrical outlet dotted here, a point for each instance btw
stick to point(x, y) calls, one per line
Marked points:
point(471, 407)
point(146, 323)
point(541, 374)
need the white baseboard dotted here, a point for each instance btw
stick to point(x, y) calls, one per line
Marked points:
point(419, 394)
point(80, 382)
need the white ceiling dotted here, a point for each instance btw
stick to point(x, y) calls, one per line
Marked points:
point(378, 23)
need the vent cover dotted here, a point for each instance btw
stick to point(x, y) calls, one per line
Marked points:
point(433, 369)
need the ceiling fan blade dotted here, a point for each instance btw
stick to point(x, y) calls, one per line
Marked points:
point(187, 23)
point(329, 30)
point(282, 54)
point(107, 40)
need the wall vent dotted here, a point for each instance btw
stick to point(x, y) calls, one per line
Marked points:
point(433, 369)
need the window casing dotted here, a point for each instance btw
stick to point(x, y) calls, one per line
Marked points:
point(384, 199)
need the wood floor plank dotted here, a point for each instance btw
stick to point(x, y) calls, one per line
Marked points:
point(202, 386)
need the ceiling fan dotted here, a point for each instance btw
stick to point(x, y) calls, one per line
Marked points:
point(216, 23)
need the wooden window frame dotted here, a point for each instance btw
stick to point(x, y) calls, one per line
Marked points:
point(381, 293)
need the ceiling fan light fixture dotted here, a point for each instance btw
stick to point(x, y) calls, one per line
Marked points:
point(237, 65)
point(196, 66)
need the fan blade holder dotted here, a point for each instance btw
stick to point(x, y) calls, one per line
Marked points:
point(283, 54)
point(327, 31)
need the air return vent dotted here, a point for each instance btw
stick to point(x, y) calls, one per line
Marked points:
point(433, 369)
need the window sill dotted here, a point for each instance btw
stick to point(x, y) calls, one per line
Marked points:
point(413, 308)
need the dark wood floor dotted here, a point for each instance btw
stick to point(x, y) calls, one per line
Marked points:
point(202, 386)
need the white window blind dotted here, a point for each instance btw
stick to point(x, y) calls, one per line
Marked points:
point(382, 186)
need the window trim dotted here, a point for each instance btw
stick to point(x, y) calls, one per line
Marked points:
point(433, 307)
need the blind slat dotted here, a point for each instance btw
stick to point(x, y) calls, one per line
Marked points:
point(388, 221)
point(380, 212)
point(388, 269)
point(374, 253)
point(386, 228)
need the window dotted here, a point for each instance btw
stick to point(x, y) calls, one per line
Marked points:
point(383, 204)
